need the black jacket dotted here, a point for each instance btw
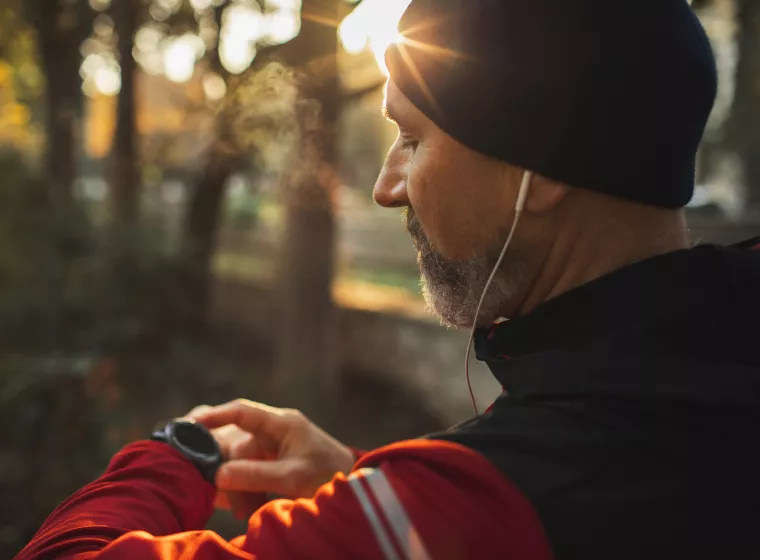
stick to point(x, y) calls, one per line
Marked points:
point(631, 412)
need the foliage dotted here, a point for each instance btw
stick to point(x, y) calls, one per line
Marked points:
point(16, 129)
point(77, 328)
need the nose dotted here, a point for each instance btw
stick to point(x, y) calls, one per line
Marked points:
point(390, 188)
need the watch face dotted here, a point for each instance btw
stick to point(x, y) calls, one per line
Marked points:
point(194, 437)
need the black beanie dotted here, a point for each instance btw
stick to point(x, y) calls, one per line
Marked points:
point(608, 95)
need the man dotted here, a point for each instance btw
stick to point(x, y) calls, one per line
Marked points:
point(630, 411)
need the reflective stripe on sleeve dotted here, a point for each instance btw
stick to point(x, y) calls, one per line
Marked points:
point(406, 535)
point(383, 539)
point(405, 532)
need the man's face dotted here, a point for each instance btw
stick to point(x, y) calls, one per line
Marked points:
point(460, 209)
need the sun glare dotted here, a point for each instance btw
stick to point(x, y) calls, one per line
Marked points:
point(179, 60)
point(373, 25)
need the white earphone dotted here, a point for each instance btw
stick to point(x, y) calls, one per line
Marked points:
point(522, 196)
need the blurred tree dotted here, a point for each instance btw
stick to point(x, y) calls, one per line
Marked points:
point(18, 49)
point(61, 26)
point(125, 167)
point(307, 353)
point(740, 134)
point(308, 193)
point(16, 130)
point(743, 127)
point(129, 16)
point(223, 157)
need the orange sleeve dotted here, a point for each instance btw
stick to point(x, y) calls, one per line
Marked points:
point(411, 500)
point(331, 525)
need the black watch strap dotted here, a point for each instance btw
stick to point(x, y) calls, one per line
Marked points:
point(195, 442)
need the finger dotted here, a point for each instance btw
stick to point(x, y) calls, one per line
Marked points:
point(249, 416)
point(198, 411)
point(254, 447)
point(271, 477)
point(245, 448)
point(228, 437)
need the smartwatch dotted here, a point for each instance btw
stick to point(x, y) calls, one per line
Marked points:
point(195, 442)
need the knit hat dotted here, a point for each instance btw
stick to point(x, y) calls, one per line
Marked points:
point(608, 95)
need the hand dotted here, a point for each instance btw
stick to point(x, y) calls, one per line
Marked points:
point(234, 443)
point(272, 450)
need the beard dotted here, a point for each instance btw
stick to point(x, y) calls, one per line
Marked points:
point(452, 289)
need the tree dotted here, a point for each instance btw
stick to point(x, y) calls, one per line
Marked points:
point(743, 127)
point(202, 220)
point(307, 350)
point(740, 135)
point(61, 26)
point(125, 175)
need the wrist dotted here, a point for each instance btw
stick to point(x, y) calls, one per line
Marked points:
point(195, 443)
point(154, 470)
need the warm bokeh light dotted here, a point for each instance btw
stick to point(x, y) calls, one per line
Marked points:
point(100, 5)
point(285, 5)
point(214, 86)
point(241, 28)
point(180, 56)
point(373, 25)
point(108, 80)
point(200, 5)
point(101, 74)
point(280, 27)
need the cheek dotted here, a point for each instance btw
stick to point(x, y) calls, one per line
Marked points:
point(435, 192)
point(462, 206)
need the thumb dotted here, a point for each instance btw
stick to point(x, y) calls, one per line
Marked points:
point(283, 478)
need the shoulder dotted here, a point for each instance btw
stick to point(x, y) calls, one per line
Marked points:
point(450, 499)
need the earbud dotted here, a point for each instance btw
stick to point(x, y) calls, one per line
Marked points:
point(522, 196)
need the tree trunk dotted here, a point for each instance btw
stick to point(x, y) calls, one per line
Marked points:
point(203, 217)
point(125, 179)
point(307, 357)
point(201, 228)
point(744, 124)
point(59, 29)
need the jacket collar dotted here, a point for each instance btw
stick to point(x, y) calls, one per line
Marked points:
point(589, 312)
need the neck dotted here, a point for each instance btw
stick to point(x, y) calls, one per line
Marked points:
point(620, 234)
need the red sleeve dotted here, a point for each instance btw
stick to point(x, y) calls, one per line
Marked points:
point(414, 499)
point(358, 454)
point(147, 487)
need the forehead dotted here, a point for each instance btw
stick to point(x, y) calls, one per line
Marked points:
point(399, 109)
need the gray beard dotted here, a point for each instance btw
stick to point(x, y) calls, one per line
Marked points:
point(452, 289)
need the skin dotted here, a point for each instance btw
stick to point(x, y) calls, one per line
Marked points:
point(460, 209)
point(464, 203)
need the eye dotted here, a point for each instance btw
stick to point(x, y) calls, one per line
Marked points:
point(409, 144)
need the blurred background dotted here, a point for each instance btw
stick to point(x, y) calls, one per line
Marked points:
point(186, 218)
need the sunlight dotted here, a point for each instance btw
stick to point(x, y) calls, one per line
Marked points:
point(373, 25)
point(108, 80)
point(214, 86)
point(200, 5)
point(281, 27)
point(101, 74)
point(179, 59)
point(285, 5)
point(241, 28)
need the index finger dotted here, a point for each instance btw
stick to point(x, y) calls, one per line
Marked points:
point(247, 415)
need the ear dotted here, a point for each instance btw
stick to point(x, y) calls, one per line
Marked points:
point(544, 195)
